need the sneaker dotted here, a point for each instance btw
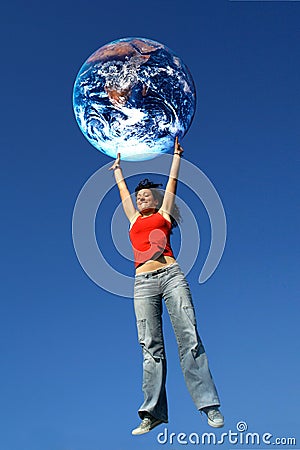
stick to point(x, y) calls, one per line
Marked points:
point(148, 423)
point(214, 417)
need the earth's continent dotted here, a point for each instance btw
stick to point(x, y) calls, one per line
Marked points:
point(133, 96)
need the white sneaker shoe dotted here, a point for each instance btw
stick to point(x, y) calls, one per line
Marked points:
point(214, 417)
point(147, 424)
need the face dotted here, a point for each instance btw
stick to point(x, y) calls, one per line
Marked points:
point(145, 200)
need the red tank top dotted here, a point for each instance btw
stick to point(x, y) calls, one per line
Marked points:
point(150, 236)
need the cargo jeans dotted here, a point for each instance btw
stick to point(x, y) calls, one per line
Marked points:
point(150, 288)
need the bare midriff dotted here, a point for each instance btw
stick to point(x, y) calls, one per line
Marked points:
point(154, 264)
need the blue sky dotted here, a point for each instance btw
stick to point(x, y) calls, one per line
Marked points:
point(70, 364)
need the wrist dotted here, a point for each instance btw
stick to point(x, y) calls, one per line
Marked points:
point(177, 153)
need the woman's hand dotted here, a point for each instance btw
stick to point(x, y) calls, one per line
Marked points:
point(116, 164)
point(178, 150)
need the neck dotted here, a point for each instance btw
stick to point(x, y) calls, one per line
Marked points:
point(148, 212)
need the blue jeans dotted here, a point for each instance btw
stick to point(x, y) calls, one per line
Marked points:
point(150, 288)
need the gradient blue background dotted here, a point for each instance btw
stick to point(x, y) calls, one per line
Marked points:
point(70, 374)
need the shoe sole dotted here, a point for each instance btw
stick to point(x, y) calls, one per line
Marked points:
point(138, 431)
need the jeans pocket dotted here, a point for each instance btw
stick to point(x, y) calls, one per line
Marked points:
point(189, 310)
point(141, 328)
point(139, 284)
point(139, 281)
point(177, 280)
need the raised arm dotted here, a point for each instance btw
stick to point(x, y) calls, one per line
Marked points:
point(170, 192)
point(127, 203)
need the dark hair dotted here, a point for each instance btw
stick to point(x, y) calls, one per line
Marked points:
point(158, 194)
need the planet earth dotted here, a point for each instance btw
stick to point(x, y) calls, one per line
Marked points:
point(134, 96)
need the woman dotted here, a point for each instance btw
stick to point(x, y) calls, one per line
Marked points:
point(158, 277)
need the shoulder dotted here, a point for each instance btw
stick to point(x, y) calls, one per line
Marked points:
point(134, 219)
point(164, 214)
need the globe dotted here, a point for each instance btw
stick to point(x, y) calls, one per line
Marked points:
point(134, 96)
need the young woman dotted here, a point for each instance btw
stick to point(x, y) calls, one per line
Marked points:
point(158, 277)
